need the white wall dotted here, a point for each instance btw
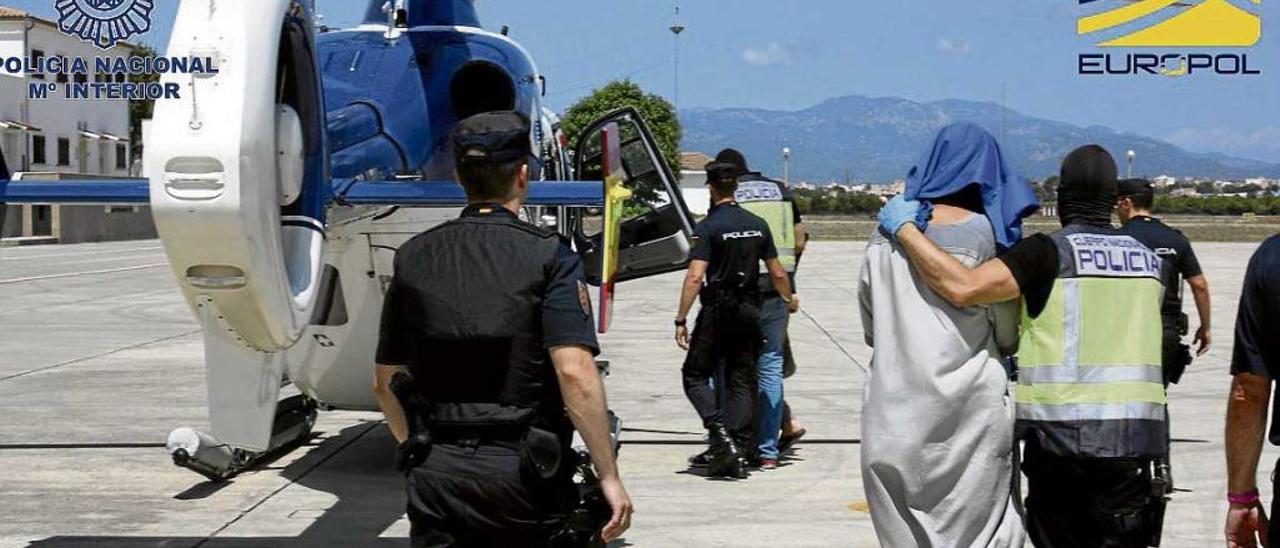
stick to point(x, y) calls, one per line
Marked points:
point(11, 42)
point(62, 118)
point(12, 89)
point(11, 109)
point(693, 185)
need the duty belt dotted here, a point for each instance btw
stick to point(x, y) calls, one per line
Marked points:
point(507, 436)
point(722, 293)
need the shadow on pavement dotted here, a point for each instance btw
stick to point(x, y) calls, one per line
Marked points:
point(354, 466)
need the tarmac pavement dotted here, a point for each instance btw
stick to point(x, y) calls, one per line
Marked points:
point(100, 358)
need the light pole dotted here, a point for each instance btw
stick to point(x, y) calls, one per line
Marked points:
point(676, 29)
point(786, 165)
point(1131, 155)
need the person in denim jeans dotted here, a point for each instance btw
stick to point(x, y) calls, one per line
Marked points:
point(773, 324)
point(770, 200)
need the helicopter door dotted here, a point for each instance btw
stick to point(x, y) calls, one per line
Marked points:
point(656, 229)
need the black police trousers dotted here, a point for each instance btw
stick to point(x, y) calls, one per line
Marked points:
point(727, 332)
point(479, 497)
point(1087, 502)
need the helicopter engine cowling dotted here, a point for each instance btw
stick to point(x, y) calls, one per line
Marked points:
point(240, 169)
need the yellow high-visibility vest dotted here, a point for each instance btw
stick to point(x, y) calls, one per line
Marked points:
point(1089, 365)
point(770, 201)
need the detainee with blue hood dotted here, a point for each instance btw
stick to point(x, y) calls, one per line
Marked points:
point(937, 422)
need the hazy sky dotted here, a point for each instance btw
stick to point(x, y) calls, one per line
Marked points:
point(793, 54)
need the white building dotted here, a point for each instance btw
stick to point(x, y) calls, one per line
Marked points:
point(693, 182)
point(56, 137)
point(890, 190)
point(1263, 182)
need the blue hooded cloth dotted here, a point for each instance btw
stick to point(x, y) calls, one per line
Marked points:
point(964, 154)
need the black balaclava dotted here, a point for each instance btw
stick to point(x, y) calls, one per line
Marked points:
point(731, 156)
point(1087, 187)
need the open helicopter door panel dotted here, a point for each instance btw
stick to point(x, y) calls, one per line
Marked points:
point(644, 213)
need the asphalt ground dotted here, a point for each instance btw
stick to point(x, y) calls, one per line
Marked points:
point(100, 358)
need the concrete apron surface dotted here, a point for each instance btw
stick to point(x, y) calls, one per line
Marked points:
point(100, 358)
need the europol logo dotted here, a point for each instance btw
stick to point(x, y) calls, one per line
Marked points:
point(1169, 24)
point(104, 23)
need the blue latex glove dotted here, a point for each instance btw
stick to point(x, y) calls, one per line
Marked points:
point(900, 211)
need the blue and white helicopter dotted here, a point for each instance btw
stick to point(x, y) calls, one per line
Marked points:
point(282, 185)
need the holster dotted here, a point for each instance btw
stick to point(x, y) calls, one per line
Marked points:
point(1175, 355)
point(1161, 487)
point(589, 514)
point(414, 450)
point(541, 453)
point(1180, 360)
point(1155, 517)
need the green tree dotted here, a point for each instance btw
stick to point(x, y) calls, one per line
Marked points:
point(835, 202)
point(1217, 205)
point(658, 114)
point(140, 110)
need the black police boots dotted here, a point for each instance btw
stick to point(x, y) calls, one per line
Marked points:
point(724, 460)
point(701, 460)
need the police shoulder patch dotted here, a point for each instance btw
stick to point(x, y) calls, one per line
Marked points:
point(584, 298)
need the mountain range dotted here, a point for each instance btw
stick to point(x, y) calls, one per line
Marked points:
point(877, 139)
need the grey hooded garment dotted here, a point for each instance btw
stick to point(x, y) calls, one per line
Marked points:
point(937, 430)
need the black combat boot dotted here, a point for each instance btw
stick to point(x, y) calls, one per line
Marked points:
point(726, 459)
point(701, 460)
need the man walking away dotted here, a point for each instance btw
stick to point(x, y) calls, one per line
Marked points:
point(770, 200)
point(938, 462)
point(1090, 400)
point(730, 244)
point(490, 315)
point(1179, 263)
point(1255, 365)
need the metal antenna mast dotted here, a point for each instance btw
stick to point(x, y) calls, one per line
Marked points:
point(676, 29)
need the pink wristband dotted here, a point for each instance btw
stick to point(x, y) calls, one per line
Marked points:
point(1244, 498)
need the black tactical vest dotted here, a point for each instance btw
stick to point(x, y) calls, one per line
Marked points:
point(475, 287)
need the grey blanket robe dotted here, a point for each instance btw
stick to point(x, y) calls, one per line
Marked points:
point(937, 449)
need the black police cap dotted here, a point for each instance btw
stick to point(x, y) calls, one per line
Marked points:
point(722, 171)
point(1131, 187)
point(499, 137)
point(732, 156)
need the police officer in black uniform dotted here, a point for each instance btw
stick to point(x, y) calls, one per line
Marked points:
point(1179, 263)
point(730, 243)
point(491, 317)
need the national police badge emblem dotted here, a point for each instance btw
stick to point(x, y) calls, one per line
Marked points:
point(584, 298)
point(104, 23)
